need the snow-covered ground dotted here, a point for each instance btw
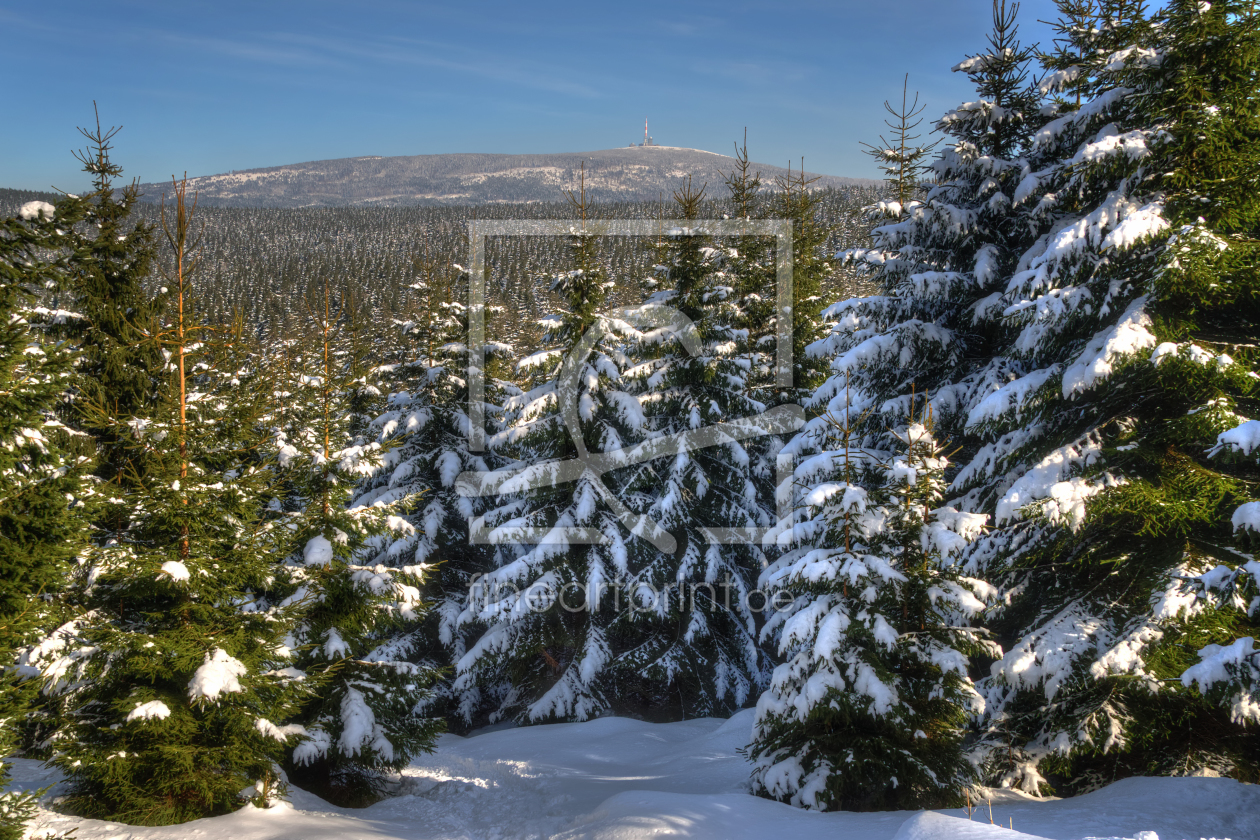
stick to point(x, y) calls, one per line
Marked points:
point(617, 779)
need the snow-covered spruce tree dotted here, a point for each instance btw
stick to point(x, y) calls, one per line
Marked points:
point(550, 609)
point(357, 623)
point(173, 677)
point(692, 640)
point(940, 263)
point(748, 266)
point(42, 521)
point(939, 260)
point(432, 323)
point(868, 711)
point(424, 432)
point(1135, 314)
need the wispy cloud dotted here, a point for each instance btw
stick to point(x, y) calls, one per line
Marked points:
point(265, 49)
point(297, 51)
point(473, 62)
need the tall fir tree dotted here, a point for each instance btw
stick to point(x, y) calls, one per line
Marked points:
point(120, 366)
point(940, 261)
point(750, 263)
point(1213, 280)
point(173, 679)
point(424, 433)
point(693, 643)
point(813, 268)
point(1133, 314)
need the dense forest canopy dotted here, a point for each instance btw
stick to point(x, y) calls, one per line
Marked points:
point(262, 262)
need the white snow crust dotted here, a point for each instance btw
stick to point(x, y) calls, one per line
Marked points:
point(1049, 481)
point(176, 570)
point(622, 779)
point(1243, 438)
point(218, 674)
point(147, 711)
point(318, 552)
point(1247, 517)
point(33, 209)
point(1010, 397)
point(1097, 361)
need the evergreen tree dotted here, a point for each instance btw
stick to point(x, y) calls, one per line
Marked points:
point(119, 367)
point(902, 160)
point(430, 328)
point(693, 626)
point(1133, 315)
point(1110, 517)
point(40, 531)
point(548, 608)
point(424, 435)
point(750, 263)
point(358, 623)
point(813, 267)
point(173, 678)
point(869, 709)
point(42, 521)
point(1079, 36)
point(941, 263)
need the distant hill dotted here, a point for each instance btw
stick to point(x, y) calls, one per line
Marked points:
point(634, 173)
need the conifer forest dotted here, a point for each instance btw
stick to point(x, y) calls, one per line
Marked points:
point(289, 496)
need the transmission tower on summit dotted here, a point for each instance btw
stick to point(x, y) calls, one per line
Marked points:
point(647, 141)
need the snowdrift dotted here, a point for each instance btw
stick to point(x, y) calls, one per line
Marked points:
point(622, 779)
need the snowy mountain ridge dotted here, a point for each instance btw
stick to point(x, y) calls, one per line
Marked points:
point(634, 173)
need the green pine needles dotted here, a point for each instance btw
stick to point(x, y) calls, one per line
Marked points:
point(221, 564)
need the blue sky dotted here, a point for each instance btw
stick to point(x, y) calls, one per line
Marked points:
point(206, 87)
